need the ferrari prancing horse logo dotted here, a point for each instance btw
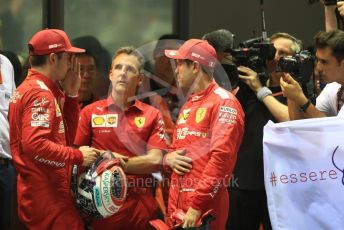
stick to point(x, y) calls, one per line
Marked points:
point(139, 121)
point(200, 114)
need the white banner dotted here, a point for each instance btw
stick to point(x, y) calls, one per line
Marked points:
point(303, 173)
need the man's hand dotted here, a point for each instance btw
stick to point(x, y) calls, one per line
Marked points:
point(178, 162)
point(121, 160)
point(72, 81)
point(90, 155)
point(340, 6)
point(250, 78)
point(191, 218)
point(292, 89)
point(113, 155)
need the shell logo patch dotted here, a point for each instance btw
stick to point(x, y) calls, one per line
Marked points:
point(139, 121)
point(97, 121)
point(200, 114)
point(108, 120)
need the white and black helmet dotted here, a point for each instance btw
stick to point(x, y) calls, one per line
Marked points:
point(102, 190)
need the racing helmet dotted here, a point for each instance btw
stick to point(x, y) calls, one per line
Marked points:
point(102, 190)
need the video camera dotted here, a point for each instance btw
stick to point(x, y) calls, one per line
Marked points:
point(300, 66)
point(254, 53)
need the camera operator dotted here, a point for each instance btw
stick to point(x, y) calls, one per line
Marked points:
point(286, 45)
point(261, 103)
point(330, 65)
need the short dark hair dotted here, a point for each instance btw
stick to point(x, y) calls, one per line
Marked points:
point(39, 60)
point(221, 39)
point(333, 39)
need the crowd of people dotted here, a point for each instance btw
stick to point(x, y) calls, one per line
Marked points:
point(199, 128)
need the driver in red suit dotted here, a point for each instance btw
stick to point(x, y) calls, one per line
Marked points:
point(206, 139)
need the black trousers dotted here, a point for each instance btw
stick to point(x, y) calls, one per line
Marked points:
point(248, 209)
point(7, 186)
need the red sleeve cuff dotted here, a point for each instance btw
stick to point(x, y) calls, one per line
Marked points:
point(78, 157)
point(72, 100)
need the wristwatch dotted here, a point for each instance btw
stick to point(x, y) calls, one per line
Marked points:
point(304, 107)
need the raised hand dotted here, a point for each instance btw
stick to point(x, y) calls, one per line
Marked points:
point(72, 81)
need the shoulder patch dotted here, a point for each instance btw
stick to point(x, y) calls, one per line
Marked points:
point(42, 85)
point(227, 109)
point(222, 93)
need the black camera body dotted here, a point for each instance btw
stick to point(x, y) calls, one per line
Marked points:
point(300, 66)
point(254, 53)
point(254, 56)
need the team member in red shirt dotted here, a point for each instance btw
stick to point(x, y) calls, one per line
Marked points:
point(207, 136)
point(42, 123)
point(130, 128)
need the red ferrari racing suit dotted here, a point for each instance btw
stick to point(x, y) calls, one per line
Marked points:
point(42, 122)
point(132, 133)
point(210, 127)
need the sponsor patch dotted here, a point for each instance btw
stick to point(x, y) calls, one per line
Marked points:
point(112, 120)
point(98, 121)
point(224, 120)
point(139, 121)
point(40, 103)
point(109, 120)
point(200, 114)
point(49, 162)
point(104, 131)
point(183, 116)
point(227, 116)
point(39, 110)
point(40, 117)
point(183, 132)
point(106, 192)
point(97, 197)
point(226, 109)
point(57, 109)
point(61, 127)
point(44, 124)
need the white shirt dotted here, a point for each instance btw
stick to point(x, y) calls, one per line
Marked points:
point(6, 89)
point(327, 100)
